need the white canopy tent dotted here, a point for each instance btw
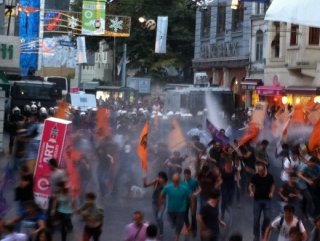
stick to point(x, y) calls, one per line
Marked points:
point(302, 12)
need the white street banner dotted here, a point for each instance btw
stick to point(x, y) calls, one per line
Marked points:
point(81, 49)
point(161, 37)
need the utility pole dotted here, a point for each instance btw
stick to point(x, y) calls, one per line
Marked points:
point(124, 67)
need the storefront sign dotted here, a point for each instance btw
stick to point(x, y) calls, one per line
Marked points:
point(55, 133)
point(251, 84)
point(270, 90)
point(226, 49)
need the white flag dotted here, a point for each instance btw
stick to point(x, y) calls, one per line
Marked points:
point(161, 38)
point(81, 49)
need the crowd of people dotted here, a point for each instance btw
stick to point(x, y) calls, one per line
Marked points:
point(197, 186)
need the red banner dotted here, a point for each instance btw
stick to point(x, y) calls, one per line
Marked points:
point(52, 145)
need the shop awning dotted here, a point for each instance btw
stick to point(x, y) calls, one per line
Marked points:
point(250, 84)
point(270, 90)
point(303, 90)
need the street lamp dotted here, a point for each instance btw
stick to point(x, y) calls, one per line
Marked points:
point(235, 4)
point(203, 4)
point(142, 19)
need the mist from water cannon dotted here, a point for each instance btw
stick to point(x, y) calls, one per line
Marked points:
point(214, 112)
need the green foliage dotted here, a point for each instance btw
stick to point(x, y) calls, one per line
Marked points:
point(141, 43)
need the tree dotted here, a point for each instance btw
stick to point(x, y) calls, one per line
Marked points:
point(141, 43)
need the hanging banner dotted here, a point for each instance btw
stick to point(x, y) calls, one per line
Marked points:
point(93, 17)
point(55, 133)
point(81, 50)
point(29, 20)
point(161, 37)
point(118, 26)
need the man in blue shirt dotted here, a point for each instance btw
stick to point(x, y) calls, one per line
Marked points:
point(193, 186)
point(178, 196)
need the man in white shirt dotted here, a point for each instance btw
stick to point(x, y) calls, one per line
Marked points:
point(284, 224)
point(12, 235)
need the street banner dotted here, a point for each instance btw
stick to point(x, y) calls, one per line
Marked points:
point(142, 147)
point(93, 17)
point(52, 144)
point(118, 26)
point(81, 49)
point(161, 37)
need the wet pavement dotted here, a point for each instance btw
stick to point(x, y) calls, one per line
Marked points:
point(118, 212)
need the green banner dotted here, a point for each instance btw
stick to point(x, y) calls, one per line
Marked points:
point(93, 17)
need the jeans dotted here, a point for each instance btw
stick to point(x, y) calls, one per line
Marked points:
point(227, 193)
point(177, 220)
point(260, 206)
point(307, 202)
point(93, 233)
point(65, 225)
point(158, 214)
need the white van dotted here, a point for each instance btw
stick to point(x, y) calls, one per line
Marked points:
point(82, 100)
point(60, 81)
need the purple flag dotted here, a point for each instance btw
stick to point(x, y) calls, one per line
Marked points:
point(216, 135)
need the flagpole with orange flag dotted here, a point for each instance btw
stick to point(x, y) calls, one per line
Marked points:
point(143, 146)
point(62, 111)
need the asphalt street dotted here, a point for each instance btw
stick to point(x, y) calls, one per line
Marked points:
point(118, 212)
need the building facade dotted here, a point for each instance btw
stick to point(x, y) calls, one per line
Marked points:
point(222, 40)
point(293, 60)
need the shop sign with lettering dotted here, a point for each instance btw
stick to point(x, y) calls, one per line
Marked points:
point(226, 49)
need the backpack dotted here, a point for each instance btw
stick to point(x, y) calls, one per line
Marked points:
point(281, 223)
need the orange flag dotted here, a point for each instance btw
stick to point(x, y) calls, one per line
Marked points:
point(314, 139)
point(102, 126)
point(176, 139)
point(62, 110)
point(298, 115)
point(251, 133)
point(142, 147)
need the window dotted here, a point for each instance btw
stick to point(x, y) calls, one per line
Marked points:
point(205, 23)
point(237, 19)
point(258, 8)
point(275, 44)
point(259, 46)
point(294, 34)
point(221, 20)
point(314, 36)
